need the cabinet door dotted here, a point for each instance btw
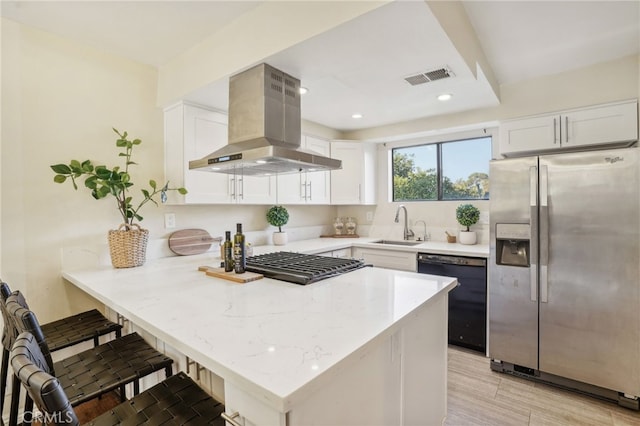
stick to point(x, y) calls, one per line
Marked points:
point(600, 125)
point(204, 132)
point(318, 190)
point(255, 189)
point(291, 188)
point(530, 134)
point(390, 259)
point(346, 183)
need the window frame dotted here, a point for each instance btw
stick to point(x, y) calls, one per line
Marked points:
point(443, 139)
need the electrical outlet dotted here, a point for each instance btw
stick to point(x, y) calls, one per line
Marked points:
point(369, 216)
point(169, 220)
point(484, 218)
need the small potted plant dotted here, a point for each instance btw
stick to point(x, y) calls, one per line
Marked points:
point(467, 215)
point(128, 243)
point(278, 216)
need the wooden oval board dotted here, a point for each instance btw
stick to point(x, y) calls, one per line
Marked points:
point(191, 241)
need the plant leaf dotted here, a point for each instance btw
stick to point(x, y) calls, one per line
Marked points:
point(136, 142)
point(59, 178)
point(121, 143)
point(146, 194)
point(152, 184)
point(91, 182)
point(182, 191)
point(62, 169)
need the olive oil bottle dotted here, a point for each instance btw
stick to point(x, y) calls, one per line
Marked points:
point(239, 250)
point(228, 252)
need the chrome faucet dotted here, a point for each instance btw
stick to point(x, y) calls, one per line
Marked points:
point(408, 233)
point(424, 235)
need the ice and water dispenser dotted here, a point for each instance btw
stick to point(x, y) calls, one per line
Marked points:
point(513, 244)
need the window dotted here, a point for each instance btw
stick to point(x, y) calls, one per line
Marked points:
point(457, 170)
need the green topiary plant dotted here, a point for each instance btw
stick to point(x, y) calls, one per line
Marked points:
point(277, 216)
point(467, 215)
point(103, 181)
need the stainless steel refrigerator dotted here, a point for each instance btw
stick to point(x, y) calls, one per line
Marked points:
point(564, 273)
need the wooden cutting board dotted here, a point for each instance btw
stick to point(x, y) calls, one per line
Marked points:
point(231, 276)
point(191, 241)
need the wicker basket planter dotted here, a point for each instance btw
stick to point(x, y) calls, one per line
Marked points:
point(128, 245)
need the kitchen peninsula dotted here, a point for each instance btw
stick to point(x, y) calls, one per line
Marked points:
point(363, 348)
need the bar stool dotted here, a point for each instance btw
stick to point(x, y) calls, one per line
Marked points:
point(60, 334)
point(176, 400)
point(91, 373)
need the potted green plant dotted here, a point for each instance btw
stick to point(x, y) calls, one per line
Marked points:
point(278, 216)
point(128, 243)
point(467, 215)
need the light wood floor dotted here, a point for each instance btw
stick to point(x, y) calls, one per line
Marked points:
point(479, 396)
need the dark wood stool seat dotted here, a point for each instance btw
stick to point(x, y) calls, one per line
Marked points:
point(177, 400)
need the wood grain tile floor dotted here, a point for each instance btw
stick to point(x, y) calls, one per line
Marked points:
point(478, 396)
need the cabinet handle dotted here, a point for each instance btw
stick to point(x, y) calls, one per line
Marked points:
point(303, 185)
point(555, 133)
point(232, 187)
point(230, 418)
point(310, 193)
point(360, 192)
point(566, 129)
point(241, 192)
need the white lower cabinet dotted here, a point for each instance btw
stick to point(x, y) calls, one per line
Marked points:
point(344, 253)
point(401, 380)
point(390, 259)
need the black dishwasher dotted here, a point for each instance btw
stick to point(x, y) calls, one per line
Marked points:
point(468, 301)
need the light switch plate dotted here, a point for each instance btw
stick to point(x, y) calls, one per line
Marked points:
point(169, 220)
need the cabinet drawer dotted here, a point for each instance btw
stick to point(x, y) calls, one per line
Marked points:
point(389, 259)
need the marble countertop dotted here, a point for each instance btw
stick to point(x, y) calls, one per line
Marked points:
point(320, 245)
point(274, 339)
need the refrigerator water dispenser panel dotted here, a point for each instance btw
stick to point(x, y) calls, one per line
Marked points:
point(513, 244)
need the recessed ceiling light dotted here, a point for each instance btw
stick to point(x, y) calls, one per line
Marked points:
point(303, 90)
point(356, 115)
point(215, 168)
point(444, 97)
point(260, 161)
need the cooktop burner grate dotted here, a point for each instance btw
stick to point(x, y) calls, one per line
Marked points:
point(300, 268)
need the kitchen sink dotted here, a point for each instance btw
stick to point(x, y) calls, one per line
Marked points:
point(398, 243)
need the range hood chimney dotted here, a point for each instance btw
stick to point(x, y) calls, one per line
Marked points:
point(264, 128)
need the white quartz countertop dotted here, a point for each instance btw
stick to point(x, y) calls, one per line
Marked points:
point(320, 245)
point(275, 339)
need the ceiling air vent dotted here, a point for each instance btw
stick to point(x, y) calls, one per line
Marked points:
point(427, 76)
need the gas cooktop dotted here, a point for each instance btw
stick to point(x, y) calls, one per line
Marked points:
point(300, 268)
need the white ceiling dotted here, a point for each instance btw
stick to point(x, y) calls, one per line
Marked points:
point(360, 66)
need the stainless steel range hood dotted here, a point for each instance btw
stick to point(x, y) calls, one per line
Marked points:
point(264, 128)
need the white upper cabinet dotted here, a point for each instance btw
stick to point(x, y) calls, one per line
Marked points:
point(306, 187)
point(355, 183)
point(192, 132)
point(575, 129)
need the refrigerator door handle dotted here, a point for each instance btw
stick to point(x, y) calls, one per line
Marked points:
point(544, 233)
point(533, 203)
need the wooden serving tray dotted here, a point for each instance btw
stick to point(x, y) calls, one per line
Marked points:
point(231, 276)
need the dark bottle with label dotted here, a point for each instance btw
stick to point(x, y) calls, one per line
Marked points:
point(228, 252)
point(238, 250)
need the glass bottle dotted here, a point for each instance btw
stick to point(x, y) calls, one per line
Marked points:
point(228, 252)
point(351, 226)
point(239, 260)
point(338, 225)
